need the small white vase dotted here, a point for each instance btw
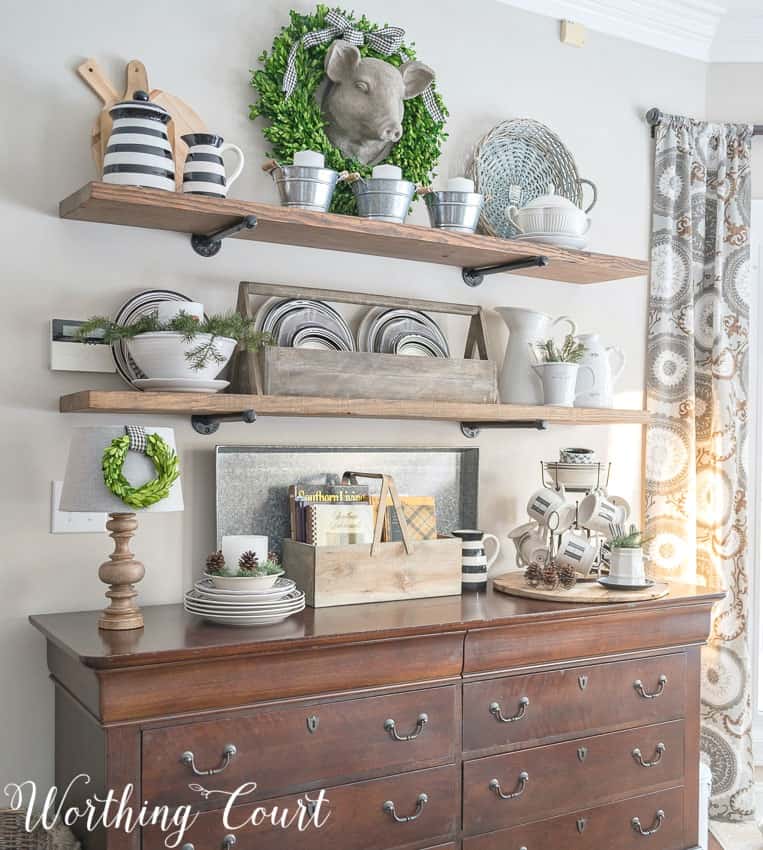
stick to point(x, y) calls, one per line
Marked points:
point(598, 358)
point(559, 381)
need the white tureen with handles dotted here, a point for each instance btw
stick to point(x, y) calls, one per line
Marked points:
point(549, 215)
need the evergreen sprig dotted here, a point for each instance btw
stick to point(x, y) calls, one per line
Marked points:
point(571, 351)
point(631, 539)
point(231, 325)
point(297, 123)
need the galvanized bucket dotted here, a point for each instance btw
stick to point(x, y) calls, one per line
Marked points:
point(383, 200)
point(457, 211)
point(304, 187)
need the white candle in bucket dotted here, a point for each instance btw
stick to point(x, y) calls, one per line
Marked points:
point(386, 172)
point(309, 159)
point(460, 184)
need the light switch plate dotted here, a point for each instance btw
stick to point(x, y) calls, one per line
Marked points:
point(572, 34)
point(66, 522)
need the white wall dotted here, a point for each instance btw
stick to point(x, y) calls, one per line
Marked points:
point(493, 61)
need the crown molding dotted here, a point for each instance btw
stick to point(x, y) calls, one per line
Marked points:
point(686, 27)
point(739, 37)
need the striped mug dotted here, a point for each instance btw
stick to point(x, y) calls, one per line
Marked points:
point(204, 170)
point(474, 562)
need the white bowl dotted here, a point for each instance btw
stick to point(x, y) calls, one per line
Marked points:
point(244, 582)
point(162, 354)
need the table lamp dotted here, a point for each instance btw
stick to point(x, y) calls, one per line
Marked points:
point(137, 456)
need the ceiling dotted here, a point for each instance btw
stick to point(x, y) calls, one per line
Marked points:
point(723, 31)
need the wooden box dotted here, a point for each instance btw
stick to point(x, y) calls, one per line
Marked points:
point(354, 374)
point(347, 575)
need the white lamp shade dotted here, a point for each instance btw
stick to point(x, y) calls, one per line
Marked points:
point(84, 490)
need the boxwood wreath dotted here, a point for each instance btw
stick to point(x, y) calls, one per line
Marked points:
point(165, 463)
point(297, 124)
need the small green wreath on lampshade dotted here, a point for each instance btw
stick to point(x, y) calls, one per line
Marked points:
point(296, 123)
point(165, 462)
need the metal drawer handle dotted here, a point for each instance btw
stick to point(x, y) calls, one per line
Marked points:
point(495, 710)
point(421, 722)
point(227, 843)
point(658, 751)
point(642, 692)
point(658, 821)
point(495, 786)
point(389, 808)
point(228, 753)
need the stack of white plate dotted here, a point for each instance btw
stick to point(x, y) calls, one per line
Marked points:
point(245, 607)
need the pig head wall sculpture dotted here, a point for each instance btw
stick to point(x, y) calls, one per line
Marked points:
point(362, 102)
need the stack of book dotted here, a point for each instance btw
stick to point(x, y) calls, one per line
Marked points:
point(344, 514)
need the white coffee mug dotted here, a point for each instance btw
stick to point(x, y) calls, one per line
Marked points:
point(167, 310)
point(530, 541)
point(551, 508)
point(627, 566)
point(599, 513)
point(577, 551)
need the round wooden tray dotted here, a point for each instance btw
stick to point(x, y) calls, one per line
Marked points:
point(514, 584)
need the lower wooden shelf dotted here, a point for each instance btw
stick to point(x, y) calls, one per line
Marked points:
point(203, 404)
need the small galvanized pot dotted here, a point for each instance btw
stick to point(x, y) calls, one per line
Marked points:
point(304, 187)
point(457, 211)
point(383, 200)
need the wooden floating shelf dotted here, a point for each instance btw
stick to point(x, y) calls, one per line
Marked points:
point(202, 404)
point(158, 210)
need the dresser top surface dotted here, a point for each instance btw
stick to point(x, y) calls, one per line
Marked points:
point(170, 634)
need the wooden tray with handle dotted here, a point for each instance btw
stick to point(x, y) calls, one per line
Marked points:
point(183, 118)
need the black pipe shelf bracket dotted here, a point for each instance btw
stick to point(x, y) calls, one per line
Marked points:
point(207, 424)
point(208, 246)
point(475, 276)
point(472, 429)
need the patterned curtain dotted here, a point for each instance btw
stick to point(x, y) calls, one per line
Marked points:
point(697, 385)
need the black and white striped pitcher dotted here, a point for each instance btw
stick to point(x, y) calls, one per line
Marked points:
point(204, 169)
point(474, 562)
point(139, 152)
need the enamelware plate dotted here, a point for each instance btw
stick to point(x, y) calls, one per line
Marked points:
point(614, 584)
point(180, 385)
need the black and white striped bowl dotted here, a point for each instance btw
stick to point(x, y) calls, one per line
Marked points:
point(138, 152)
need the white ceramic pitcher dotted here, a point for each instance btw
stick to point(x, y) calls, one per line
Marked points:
point(598, 359)
point(518, 383)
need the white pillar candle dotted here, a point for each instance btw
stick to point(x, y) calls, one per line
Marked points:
point(234, 546)
point(309, 159)
point(460, 184)
point(387, 172)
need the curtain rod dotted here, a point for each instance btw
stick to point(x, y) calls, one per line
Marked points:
point(654, 117)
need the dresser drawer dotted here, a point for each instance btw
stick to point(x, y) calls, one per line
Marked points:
point(358, 816)
point(546, 781)
point(516, 711)
point(604, 828)
point(297, 747)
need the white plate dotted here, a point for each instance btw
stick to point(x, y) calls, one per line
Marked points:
point(394, 323)
point(558, 239)
point(243, 621)
point(294, 599)
point(614, 584)
point(285, 317)
point(180, 385)
point(365, 327)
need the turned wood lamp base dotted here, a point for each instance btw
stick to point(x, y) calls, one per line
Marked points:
point(121, 572)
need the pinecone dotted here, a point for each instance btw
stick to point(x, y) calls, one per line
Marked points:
point(215, 562)
point(567, 576)
point(550, 576)
point(534, 574)
point(248, 561)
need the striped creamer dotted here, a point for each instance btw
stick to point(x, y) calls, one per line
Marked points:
point(139, 152)
point(204, 170)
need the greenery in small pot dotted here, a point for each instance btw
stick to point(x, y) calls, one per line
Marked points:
point(249, 566)
point(571, 351)
point(223, 325)
point(631, 539)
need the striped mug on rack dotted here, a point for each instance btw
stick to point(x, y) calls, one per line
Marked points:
point(204, 169)
point(474, 562)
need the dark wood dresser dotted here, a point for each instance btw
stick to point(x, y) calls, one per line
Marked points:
point(481, 722)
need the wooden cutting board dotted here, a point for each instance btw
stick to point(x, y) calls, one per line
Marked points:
point(184, 119)
point(590, 593)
